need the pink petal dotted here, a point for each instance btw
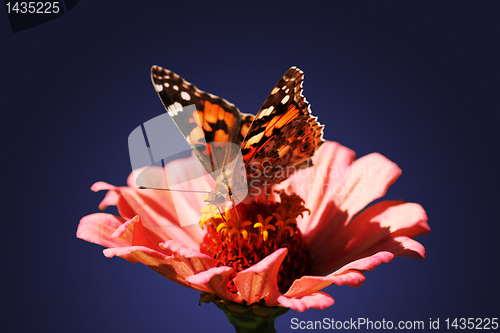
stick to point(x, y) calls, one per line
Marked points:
point(99, 186)
point(217, 278)
point(330, 165)
point(260, 280)
point(134, 233)
point(181, 171)
point(156, 207)
point(368, 178)
point(98, 228)
point(318, 300)
point(350, 275)
point(124, 209)
point(304, 292)
point(371, 231)
point(110, 199)
point(402, 246)
point(179, 263)
point(308, 284)
point(371, 175)
point(172, 264)
point(156, 215)
point(155, 260)
point(135, 254)
point(367, 263)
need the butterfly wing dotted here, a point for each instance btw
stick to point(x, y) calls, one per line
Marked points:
point(212, 120)
point(283, 136)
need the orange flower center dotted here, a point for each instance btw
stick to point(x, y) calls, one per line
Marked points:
point(260, 229)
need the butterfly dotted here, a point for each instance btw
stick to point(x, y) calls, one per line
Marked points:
point(282, 136)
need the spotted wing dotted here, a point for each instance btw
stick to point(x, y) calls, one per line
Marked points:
point(283, 136)
point(211, 120)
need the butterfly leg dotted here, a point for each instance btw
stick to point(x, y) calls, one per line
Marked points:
point(231, 197)
point(221, 214)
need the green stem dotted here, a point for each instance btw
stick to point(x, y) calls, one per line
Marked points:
point(248, 319)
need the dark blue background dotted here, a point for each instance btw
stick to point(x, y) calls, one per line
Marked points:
point(415, 81)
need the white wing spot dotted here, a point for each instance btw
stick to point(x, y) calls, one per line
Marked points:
point(285, 99)
point(175, 88)
point(185, 96)
point(275, 90)
point(166, 85)
point(266, 112)
point(174, 109)
point(158, 87)
point(269, 110)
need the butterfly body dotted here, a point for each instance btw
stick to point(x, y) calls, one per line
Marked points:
point(246, 155)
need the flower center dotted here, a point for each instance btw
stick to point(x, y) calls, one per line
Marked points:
point(260, 229)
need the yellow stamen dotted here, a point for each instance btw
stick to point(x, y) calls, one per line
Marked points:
point(264, 225)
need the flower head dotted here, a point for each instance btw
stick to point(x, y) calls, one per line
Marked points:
point(266, 227)
point(280, 251)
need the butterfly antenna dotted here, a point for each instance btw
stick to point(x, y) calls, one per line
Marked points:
point(168, 189)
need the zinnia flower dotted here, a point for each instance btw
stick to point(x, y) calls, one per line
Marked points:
point(315, 233)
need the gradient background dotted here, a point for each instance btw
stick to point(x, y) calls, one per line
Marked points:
point(416, 81)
